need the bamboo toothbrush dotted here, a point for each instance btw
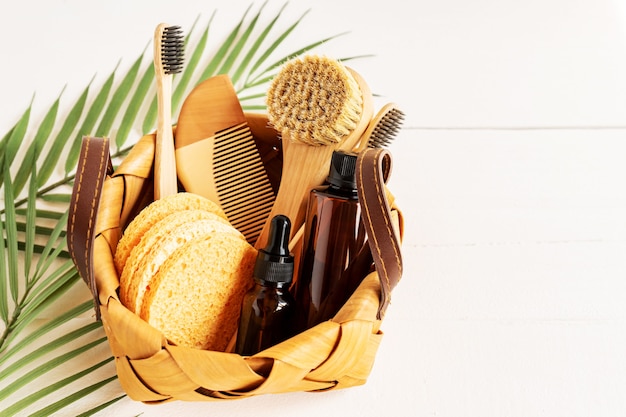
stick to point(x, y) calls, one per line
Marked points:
point(168, 60)
point(382, 129)
point(318, 106)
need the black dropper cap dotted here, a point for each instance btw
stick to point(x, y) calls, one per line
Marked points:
point(274, 263)
point(342, 170)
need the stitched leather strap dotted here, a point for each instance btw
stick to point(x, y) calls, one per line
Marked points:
point(94, 164)
point(372, 172)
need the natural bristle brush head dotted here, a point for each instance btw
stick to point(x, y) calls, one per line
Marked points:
point(171, 49)
point(316, 100)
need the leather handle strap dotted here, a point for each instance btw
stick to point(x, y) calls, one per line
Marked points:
point(372, 172)
point(94, 164)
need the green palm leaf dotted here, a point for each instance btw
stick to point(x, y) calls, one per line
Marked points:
point(211, 68)
point(11, 234)
point(190, 66)
point(43, 133)
point(4, 279)
point(136, 101)
point(40, 325)
point(89, 122)
point(60, 141)
point(16, 137)
point(11, 141)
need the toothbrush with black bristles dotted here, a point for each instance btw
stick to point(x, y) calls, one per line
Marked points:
point(168, 60)
point(383, 128)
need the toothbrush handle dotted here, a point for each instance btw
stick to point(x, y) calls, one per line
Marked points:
point(165, 182)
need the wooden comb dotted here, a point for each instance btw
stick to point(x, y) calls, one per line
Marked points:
point(217, 157)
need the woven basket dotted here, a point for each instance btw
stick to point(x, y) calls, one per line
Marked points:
point(335, 354)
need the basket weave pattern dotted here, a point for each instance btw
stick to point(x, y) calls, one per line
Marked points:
point(335, 354)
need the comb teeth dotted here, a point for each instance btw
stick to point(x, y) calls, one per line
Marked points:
point(172, 49)
point(386, 129)
point(244, 190)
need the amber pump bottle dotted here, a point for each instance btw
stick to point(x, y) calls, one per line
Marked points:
point(267, 309)
point(331, 265)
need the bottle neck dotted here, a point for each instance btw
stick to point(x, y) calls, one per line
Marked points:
point(345, 192)
point(271, 284)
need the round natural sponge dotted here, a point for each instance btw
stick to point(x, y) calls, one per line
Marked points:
point(195, 296)
point(158, 243)
point(153, 213)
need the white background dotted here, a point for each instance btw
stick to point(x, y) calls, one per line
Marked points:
point(510, 172)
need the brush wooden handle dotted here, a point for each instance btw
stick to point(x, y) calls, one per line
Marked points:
point(306, 166)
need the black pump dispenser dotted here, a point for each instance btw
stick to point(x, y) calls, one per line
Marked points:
point(342, 170)
point(267, 309)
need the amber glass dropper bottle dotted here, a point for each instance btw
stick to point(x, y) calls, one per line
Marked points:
point(267, 309)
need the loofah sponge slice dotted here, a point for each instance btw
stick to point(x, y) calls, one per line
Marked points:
point(156, 211)
point(158, 243)
point(195, 297)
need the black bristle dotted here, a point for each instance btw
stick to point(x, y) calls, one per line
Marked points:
point(386, 129)
point(172, 49)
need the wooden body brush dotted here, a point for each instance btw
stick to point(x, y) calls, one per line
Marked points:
point(217, 157)
point(318, 106)
point(168, 60)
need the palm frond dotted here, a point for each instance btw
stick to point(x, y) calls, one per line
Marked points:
point(191, 64)
point(11, 141)
point(40, 325)
point(58, 321)
point(58, 144)
point(90, 120)
point(211, 68)
point(48, 347)
point(58, 405)
point(33, 375)
point(11, 235)
point(270, 50)
point(43, 133)
point(4, 280)
point(243, 66)
point(134, 105)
